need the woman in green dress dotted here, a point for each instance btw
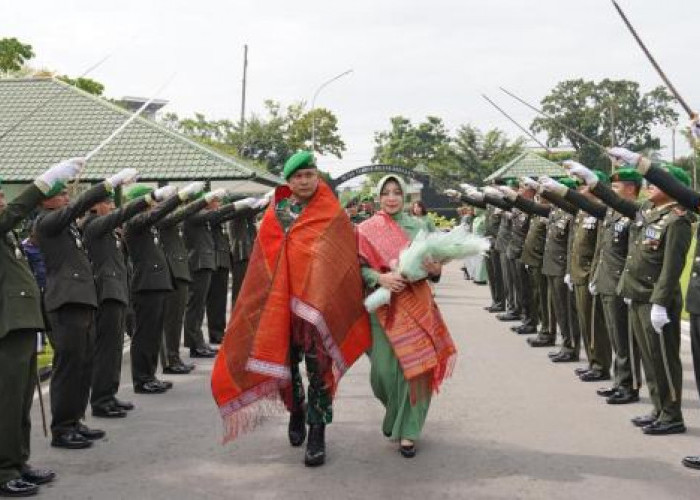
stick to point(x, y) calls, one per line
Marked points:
point(412, 350)
point(419, 211)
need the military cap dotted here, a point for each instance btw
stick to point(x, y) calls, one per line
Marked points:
point(299, 160)
point(677, 172)
point(602, 176)
point(137, 190)
point(569, 182)
point(56, 189)
point(512, 182)
point(626, 175)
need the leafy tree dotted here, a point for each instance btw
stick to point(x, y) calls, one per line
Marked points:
point(408, 145)
point(606, 112)
point(13, 55)
point(468, 156)
point(478, 153)
point(87, 84)
point(268, 140)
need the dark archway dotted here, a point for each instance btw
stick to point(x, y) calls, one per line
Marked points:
point(381, 168)
point(435, 201)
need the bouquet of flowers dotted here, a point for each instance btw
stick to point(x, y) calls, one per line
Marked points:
point(439, 247)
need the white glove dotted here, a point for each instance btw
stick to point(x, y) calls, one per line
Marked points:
point(62, 171)
point(695, 127)
point(123, 177)
point(553, 186)
point(245, 203)
point(628, 302)
point(530, 183)
point(190, 190)
point(492, 191)
point(509, 193)
point(582, 172)
point(164, 192)
point(217, 194)
point(625, 156)
point(659, 318)
point(592, 288)
point(467, 187)
point(261, 203)
point(452, 193)
point(567, 280)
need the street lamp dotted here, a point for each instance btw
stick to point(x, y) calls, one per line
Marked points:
point(313, 104)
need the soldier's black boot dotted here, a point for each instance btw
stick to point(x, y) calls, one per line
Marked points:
point(316, 447)
point(297, 427)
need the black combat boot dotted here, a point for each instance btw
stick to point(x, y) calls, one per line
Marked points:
point(297, 427)
point(316, 447)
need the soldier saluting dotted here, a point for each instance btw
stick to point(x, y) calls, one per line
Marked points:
point(650, 283)
point(20, 319)
point(71, 302)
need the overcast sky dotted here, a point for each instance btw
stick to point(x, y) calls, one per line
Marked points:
point(409, 57)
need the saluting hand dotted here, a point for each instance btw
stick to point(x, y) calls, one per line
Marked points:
point(584, 173)
point(530, 182)
point(190, 190)
point(217, 194)
point(625, 156)
point(164, 192)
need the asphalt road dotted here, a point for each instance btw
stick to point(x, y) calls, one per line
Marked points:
point(509, 424)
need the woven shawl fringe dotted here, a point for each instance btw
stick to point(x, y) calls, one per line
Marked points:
point(427, 384)
point(250, 417)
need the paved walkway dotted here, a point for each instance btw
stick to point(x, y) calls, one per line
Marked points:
point(509, 424)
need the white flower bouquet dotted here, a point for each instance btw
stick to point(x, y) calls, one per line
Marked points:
point(439, 247)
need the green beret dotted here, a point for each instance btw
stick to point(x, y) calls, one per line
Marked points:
point(137, 190)
point(680, 174)
point(569, 182)
point(626, 175)
point(299, 160)
point(56, 189)
point(602, 176)
point(512, 183)
point(368, 199)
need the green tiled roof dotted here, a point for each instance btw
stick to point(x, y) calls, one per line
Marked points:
point(527, 164)
point(58, 121)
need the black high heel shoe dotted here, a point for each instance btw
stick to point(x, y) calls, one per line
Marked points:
point(408, 451)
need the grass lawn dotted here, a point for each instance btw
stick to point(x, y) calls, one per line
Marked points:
point(44, 358)
point(686, 272)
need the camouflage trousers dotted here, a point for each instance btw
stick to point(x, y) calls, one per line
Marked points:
point(319, 409)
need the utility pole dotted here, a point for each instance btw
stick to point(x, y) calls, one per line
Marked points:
point(673, 144)
point(245, 78)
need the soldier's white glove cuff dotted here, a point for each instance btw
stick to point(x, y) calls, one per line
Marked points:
point(261, 203)
point(123, 177)
point(217, 194)
point(625, 155)
point(659, 318)
point(190, 190)
point(582, 172)
point(554, 187)
point(245, 203)
point(567, 280)
point(491, 191)
point(164, 192)
point(62, 171)
point(627, 301)
point(592, 288)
